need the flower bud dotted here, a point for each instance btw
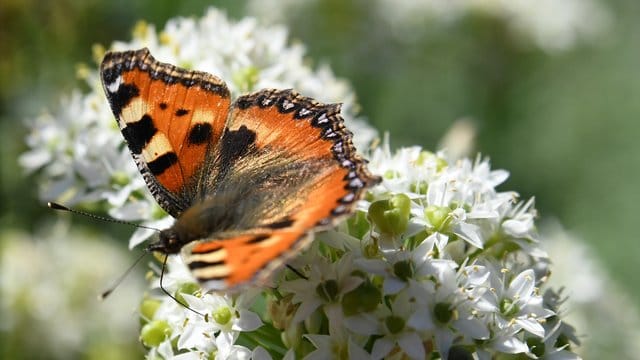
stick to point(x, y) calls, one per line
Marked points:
point(186, 288)
point(391, 216)
point(222, 315)
point(148, 308)
point(154, 333)
point(437, 216)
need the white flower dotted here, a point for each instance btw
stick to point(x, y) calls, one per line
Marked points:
point(515, 303)
point(446, 306)
point(226, 313)
point(325, 284)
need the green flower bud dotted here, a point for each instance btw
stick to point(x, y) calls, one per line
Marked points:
point(437, 216)
point(154, 333)
point(391, 174)
point(186, 288)
point(222, 315)
point(441, 164)
point(148, 308)
point(157, 212)
point(420, 188)
point(424, 157)
point(392, 215)
point(120, 178)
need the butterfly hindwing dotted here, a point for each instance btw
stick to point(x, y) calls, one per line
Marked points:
point(292, 160)
point(228, 262)
point(170, 117)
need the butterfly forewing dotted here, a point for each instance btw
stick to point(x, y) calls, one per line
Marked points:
point(170, 118)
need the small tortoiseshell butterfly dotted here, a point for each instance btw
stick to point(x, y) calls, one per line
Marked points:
point(246, 181)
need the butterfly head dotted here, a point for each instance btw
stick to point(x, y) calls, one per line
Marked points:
point(169, 242)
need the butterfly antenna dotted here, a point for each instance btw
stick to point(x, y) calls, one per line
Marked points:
point(56, 206)
point(164, 266)
point(122, 277)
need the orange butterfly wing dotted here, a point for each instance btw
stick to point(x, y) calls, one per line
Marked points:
point(170, 118)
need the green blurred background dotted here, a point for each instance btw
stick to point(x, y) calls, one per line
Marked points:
point(564, 123)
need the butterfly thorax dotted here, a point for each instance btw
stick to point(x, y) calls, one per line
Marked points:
point(198, 222)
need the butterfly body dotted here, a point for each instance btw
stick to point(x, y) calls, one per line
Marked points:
point(247, 181)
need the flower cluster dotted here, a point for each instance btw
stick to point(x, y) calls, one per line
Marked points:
point(435, 262)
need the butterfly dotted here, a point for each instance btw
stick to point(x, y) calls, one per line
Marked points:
point(247, 181)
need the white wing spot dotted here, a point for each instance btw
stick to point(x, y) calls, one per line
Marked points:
point(287, 104)
point(113, 87)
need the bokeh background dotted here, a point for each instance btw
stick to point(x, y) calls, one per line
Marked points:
point(551, 89)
